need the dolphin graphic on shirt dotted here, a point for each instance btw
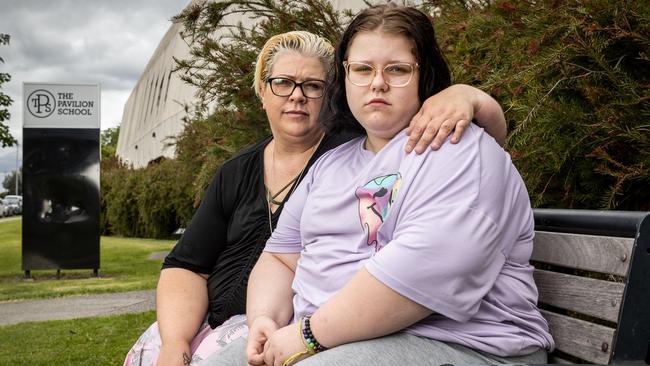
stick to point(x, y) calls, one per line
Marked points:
point(375, 199)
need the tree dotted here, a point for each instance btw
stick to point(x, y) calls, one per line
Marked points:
point(9, 182)
point(573, 79)
point(571, 76)
point(5, 101)
point(221, 67)
point(108, 142)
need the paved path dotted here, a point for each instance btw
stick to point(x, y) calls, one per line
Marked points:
point(10, 218)
point(14, 312)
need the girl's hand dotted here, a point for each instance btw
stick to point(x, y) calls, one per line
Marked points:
point(284, 343)
point(259, 333)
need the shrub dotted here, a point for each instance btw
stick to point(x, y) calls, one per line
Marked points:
point(221, 67)
point(151, 202)
point(572, 77)
point(574, 80)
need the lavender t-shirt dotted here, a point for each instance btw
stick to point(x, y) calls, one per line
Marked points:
point(451, 230)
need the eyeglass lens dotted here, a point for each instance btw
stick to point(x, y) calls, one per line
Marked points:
point(284, 87)
point(362, 74)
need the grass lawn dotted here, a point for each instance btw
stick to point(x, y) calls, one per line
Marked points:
point(123, 261)
point(91, 341)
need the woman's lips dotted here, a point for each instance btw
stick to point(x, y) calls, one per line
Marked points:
point(296, 113)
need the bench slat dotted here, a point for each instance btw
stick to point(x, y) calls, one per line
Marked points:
point(588, 252)
point(577, 294)
point(580, 338)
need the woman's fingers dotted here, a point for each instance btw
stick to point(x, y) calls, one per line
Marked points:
point(432, 129)
point(458, 130)
point(449, 111)
point(433, 132)
point(414, 131)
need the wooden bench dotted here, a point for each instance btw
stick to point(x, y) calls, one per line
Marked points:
point(593, 276)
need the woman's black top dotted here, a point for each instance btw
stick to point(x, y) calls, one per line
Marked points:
point(229, 230)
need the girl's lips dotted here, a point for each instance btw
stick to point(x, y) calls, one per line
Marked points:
point(378, 101)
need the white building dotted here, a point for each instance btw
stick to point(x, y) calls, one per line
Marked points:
point(155, 109)
point(153, 114)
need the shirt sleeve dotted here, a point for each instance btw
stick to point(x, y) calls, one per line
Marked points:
point(445, 251)
point(205, 237)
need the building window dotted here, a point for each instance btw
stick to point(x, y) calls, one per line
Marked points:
point(169, 76)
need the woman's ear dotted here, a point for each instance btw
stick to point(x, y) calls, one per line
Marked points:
point(262, 93)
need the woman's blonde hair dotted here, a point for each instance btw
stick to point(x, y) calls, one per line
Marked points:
point(305, 43)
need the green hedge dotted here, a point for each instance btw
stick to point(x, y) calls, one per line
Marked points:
point(573, 78)
point(150, 202)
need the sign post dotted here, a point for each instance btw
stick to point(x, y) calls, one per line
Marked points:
point(61, 125)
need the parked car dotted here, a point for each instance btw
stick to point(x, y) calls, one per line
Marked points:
point(9, 209)
point(15, 198)
point(4, 211)
point(14, 203)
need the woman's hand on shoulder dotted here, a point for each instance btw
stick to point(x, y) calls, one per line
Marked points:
point(452, 110)
point(261, 329)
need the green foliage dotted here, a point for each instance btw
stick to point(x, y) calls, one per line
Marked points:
point(574, 80)
point(163, 203)
point(119, 201)
point(108, 142)
point(89, 341)
point(5, 101)
point(222, 61)
point(111, 169)
point(222, 65)
point(572, 76)
point(125, 266)
point(144, 202)
point(9, 183)
point(153, 202)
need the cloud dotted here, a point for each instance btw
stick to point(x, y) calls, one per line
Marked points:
point(105, 42)
point(86, 40)
point(8, 160)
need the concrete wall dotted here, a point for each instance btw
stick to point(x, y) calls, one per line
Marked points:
point(153, 114)
point(154, 111)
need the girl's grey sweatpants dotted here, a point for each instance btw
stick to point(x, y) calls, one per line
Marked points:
point(392, 350)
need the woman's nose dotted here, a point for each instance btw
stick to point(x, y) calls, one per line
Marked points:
point(297, 94)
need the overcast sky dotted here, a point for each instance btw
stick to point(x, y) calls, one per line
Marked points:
point(79, 41)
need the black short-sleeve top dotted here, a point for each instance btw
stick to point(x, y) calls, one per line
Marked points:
point(229, 230)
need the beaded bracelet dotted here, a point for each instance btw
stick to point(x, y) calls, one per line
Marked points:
point(308, 340)
point(308, 337)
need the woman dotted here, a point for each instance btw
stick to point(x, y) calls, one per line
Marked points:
point(385, 258)
point(244, 201)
